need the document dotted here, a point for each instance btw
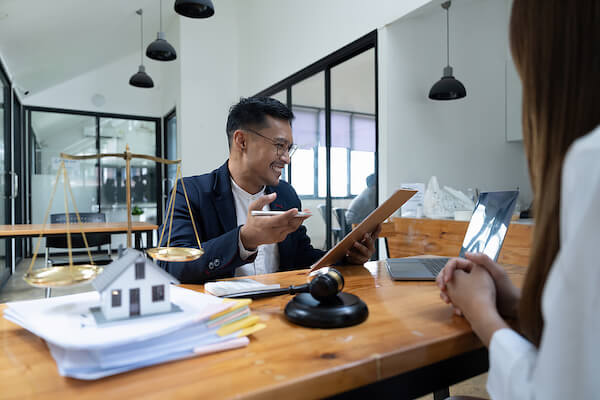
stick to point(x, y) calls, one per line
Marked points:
point(85, 350)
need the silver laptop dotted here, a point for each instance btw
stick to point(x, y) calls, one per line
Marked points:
point(485, 234)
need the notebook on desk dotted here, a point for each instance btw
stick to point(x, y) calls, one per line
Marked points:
point(485, 234)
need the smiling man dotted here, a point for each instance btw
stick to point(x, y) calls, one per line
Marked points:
point(235, 243)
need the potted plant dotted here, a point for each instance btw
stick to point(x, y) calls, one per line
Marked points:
point(136, 213)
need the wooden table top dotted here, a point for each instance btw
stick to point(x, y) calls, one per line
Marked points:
point(408, 327)
point(52, 229)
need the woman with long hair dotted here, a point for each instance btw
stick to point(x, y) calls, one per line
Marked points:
point(556, 353)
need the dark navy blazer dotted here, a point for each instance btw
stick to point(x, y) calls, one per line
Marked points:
point(212, 205)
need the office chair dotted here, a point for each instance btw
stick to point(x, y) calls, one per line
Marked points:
point(340, 215)
point(94, 239)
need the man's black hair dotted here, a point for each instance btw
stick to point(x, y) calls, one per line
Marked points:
point(252, 111)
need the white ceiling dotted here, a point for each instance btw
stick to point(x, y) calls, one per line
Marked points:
point(45, 42)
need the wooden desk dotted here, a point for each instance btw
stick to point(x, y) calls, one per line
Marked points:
point(33, 230)
point(410, 345)
point(416, 236)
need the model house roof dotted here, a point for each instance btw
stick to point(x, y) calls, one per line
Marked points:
point(113, 270)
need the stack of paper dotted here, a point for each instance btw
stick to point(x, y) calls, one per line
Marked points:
point(85, 350)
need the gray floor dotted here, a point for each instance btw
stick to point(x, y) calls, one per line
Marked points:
point(16, 288)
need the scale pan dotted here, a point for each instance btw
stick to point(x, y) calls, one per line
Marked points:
point(62, 276)
point(175, 254)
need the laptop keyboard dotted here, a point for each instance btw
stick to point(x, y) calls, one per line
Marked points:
point(434, 265)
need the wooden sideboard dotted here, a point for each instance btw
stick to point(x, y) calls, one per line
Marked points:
point(418, 236)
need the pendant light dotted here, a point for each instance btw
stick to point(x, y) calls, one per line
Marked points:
point(160, 49)
point(447, 88)
point(141, 78)
point(195, 8)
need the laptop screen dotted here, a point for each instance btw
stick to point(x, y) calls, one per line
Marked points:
point(489, 223)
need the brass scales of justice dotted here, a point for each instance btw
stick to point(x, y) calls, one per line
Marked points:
point(53, 277)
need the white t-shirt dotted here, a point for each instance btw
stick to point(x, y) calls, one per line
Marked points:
point(567, 363)
point(267, 259)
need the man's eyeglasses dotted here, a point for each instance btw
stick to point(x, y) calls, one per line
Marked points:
point(282, 147)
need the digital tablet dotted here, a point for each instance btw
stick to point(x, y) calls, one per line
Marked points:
point(267, 213)
point(376, 217)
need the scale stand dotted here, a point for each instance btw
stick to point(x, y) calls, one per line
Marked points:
point(342, 311)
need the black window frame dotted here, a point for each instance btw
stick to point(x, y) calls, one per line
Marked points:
point(365, 43)
point(315, 195)
point(29, 151)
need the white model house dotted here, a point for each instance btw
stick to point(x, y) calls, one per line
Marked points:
point(133, 285)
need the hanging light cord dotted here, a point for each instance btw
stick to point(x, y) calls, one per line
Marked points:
point(448, 35)
point(142, 37)
point(160, 13)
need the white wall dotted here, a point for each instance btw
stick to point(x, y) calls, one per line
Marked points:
point(209, 86)
point(282, 37)
point(170, 76)
point(462, 142)
point(112, 82)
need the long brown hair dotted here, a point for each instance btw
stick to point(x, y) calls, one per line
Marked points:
point(556, 48)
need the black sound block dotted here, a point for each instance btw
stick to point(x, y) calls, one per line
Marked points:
point(344, 310)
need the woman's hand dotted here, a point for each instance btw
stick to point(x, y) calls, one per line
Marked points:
point(474, 293)
point(507, 295)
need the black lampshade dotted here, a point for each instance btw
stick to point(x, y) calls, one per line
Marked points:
point(161, 50)
point(195, 8)
point(141, 79)
point(447, 88)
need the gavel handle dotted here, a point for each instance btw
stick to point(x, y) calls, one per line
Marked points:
point(263, 293)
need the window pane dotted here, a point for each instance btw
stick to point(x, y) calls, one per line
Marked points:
point(52, 134)
point(140, 269)
point(304, 163)
point(361, 166)
point(116, 298)
point(322, 169)
point(158, 293)
point(339, 172)
point(171, 147)
point(308, 98)
point(115, 134)
point(353, 96)
point(281, 96)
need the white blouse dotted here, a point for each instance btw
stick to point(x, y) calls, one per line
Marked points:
point(567, 363)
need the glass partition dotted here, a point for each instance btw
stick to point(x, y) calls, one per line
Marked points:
point(4, 216)
point(115, 134)
point(170, 152)
point(353, 140)
point(308, 101)
point(97, 185)
point(52, 134)
point(334, 101)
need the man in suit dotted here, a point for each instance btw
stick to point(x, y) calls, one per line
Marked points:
point(235, 243)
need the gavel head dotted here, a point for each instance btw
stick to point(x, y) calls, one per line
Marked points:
point(326, 284)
